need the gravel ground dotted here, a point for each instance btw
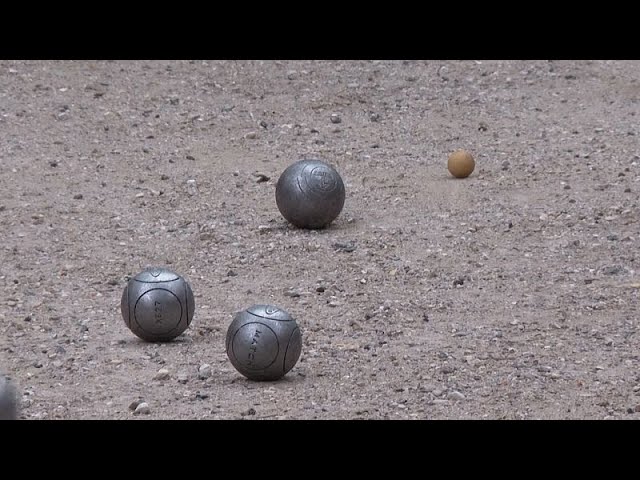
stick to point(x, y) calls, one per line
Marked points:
point(511, 294)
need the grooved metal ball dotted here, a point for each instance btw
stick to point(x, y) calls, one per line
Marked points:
point(310, 194)
point(8, 400)
point(157, 305)
point(263, 342)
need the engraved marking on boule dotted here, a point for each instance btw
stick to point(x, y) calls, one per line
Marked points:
point(262, 333)
point(253, 347)
point(158, 311)
point(318, 179)
point(157, 308)
point(323, 178)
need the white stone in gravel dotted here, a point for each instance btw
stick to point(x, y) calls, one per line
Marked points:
point(142, 409)
point(204, 371)
point(455, 395)
point(163, 374)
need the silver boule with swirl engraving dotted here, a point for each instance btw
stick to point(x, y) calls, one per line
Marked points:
point(157, 305)
point(263, 342)
point(8, 400)
point(310, 194)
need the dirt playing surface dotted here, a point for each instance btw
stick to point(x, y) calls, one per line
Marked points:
point(511, 294)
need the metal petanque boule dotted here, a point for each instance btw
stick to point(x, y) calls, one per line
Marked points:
point(157, 305)
point(263, 342)
point(310, 194)
point(8, 400)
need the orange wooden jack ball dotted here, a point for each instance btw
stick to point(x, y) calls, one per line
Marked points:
point(461, 164)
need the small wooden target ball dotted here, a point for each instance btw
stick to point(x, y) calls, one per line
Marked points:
point(461, 164)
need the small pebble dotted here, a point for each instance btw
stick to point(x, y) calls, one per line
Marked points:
point(163, 374)
point(345, 247)
point(335, 118)
point(261, 177)
point(78, 196)
point(455, 395)
point(204, 371)
point(192, 187)
point(142, 409)
point(613, 270)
